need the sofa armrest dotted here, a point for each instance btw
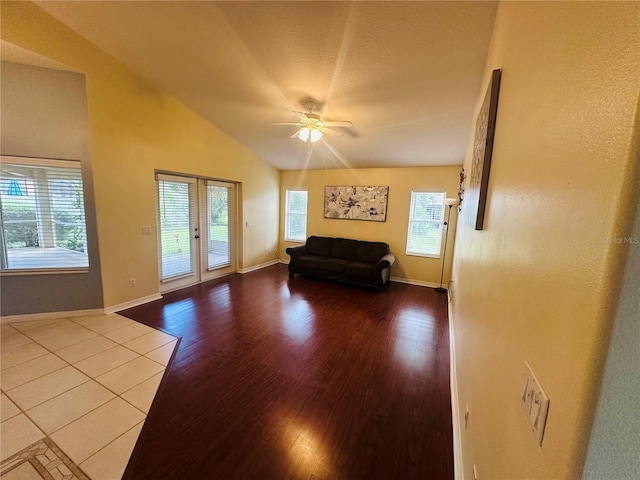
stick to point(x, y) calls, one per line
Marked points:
point(383, 271)
point(386, 261)
point(296, 251)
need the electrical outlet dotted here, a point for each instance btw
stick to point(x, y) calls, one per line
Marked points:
point(132, 282)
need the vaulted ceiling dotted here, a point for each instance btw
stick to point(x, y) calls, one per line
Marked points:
point(407, 74)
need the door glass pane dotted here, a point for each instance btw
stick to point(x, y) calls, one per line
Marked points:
point(218, 253)
point(175, 228)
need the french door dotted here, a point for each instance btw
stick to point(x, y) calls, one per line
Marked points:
point(196, 230)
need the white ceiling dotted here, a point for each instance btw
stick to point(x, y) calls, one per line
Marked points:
point(407, 74)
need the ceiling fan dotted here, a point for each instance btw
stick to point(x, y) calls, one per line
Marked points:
point(311, 126)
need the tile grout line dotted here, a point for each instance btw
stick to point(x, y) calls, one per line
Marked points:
point(90, 377)
point(35, 378)
point(112, 441)
point(56, 396)
point(72, 364)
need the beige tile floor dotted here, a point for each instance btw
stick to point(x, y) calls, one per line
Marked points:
point(86, 383)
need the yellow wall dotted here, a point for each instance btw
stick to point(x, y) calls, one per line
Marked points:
point(541, 281)
point(394, 231)
point(135, 129)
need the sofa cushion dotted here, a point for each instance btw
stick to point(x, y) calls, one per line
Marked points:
point(344, 248)
point(320, 246)
point(308, 261)
point(360, 270)
point(371, 251)
point(333, 265)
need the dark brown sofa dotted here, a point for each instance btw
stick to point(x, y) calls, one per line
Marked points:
point(343, 260)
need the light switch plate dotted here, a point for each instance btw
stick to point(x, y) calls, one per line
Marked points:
point(535, 402)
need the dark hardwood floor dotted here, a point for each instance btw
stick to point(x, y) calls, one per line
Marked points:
point(279, 378)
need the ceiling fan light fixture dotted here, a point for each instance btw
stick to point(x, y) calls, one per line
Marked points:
point(315, 135)
point(305, 132)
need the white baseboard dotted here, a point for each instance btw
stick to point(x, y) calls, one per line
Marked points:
point(30, 317)
point(132, 303)
point(259, 266)
point(458, 464)
point(410, 281)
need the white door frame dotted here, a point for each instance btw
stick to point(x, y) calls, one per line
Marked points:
point(198, 232)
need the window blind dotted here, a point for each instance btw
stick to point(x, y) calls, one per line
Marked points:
point(175, 196)
point(424, 236)
point(296, 215)
point(42, 215)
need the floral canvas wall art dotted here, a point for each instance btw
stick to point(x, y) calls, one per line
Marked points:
point(356, 203)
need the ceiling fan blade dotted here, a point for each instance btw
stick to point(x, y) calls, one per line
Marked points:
point(329, 131)
point(337, 124)
point(284, 123)
point(303, 115)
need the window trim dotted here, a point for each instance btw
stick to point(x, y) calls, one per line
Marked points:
point(287, 238)
point(410, 222)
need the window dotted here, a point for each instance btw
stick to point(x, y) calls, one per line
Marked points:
point(424, 237)
point(295, 223)
point(42, 215)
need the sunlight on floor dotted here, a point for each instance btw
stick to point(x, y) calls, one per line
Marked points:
point(414, 338)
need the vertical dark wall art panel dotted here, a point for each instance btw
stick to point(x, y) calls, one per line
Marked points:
point(476, 193)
